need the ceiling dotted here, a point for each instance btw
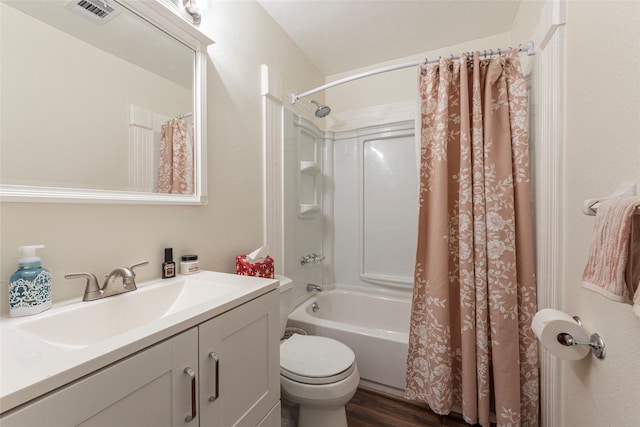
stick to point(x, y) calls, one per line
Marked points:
point(343, 35)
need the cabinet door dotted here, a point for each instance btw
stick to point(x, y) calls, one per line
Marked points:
point(273, 418)
point(150, 388)
point(245, 343)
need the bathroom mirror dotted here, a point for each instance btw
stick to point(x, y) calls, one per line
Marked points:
point(87, 86)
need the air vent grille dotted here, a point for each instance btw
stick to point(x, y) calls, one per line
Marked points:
point(98, 11)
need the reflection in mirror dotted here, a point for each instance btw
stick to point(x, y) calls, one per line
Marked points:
point(101, 100)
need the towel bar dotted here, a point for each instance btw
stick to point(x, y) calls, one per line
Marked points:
point(590, 206)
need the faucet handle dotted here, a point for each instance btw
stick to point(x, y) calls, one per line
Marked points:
point(130, 280)
point(138, 264)
point(92, 280)
point(313, 258)
point(312, 287)
point(92, 290)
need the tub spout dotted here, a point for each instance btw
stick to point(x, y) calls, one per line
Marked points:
point(311, 287)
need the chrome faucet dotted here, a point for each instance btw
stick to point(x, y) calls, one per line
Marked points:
point(120, 280)
point(311, 287)
point(313, 258)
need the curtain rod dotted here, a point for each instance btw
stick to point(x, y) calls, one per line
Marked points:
point(529, 48)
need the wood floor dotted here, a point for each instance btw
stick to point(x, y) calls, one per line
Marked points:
point(372, 409)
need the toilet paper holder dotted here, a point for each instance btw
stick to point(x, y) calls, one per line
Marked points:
point(596, 342)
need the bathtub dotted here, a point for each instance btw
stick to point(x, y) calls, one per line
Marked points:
point(375, 327)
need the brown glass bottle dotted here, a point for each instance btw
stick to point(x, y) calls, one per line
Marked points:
point(168, 266)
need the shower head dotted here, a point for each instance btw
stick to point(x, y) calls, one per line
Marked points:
point(322, 111)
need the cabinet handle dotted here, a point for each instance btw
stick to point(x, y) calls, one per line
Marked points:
point(216, 360)
point(191, 374)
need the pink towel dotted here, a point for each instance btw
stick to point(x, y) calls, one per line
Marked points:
point(634, 257)
point(613, 265)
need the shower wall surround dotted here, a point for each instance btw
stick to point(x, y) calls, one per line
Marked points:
point(351, 196)
point(375, 205)
point(303, 201)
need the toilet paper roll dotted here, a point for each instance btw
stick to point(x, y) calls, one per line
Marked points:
point(548, 323)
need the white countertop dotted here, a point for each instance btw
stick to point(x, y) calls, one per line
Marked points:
point(31, 367)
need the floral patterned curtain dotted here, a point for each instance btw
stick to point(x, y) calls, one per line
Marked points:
point(471, 343)
point(175, 173)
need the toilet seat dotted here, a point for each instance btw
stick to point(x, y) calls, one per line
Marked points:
point(315, 360)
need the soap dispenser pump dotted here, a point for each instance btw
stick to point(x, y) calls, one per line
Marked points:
point(30, 286)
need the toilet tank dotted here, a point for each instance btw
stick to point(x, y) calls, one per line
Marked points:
point(286, 286)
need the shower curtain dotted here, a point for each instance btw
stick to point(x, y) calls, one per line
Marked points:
point(470, 343)
point(176, 170)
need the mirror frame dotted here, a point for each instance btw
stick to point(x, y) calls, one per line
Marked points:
point(159, 14)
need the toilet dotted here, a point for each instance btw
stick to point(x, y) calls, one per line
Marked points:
point(317, 373)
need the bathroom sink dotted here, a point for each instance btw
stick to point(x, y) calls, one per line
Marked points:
point(85, 323)
point(74, 338)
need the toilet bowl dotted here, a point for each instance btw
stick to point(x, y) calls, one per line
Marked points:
point(317, 373)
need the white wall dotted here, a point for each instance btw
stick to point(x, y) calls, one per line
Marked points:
point(523, 27)
point(396, 86)
point(98, 238)
point(602, 149)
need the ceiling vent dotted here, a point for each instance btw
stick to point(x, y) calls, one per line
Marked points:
point(97, 11)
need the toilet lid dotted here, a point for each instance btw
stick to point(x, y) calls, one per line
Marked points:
point(315, 360)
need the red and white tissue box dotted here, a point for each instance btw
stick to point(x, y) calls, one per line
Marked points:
point(263, 268)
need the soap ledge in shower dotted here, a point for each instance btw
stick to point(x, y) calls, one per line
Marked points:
point(308, 210)
point(309, 168)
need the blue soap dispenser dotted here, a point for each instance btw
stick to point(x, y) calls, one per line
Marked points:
point(30, 286)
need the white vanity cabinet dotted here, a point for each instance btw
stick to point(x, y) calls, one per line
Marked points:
point(245, 342)
point(161, 385)
point(147, 389)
